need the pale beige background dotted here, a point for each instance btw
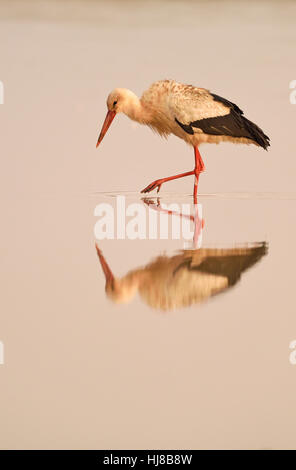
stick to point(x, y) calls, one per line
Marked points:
point(79, 371)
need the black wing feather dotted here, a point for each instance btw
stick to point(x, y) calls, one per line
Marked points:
point(227, 103)
point(185, 127)
point(232, 266)
point(233, 124)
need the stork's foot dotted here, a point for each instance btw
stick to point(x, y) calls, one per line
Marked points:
point(151, 202)
point(156, 184)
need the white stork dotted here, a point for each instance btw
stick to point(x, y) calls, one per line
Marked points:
point(193, 114)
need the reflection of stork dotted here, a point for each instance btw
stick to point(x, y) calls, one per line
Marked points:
point(190, 277)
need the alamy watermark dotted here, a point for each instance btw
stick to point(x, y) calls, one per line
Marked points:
point(293, 93)
point(292, 356)
point(147, 221)
point(1, 353)
point(1, 92)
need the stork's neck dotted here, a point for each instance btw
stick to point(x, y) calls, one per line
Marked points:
point(134, 108)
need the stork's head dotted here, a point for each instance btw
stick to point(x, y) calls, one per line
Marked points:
point(119, 100)
point(118, 290)
point(121, 291)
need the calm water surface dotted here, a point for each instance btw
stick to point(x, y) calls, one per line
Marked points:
point(191, 348)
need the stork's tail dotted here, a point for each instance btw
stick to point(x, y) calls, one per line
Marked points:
point(256, 133)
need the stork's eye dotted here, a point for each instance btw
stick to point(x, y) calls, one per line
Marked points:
point(114, 103)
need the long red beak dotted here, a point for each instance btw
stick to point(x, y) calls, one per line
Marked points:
point(108, 119)
point(105, 267)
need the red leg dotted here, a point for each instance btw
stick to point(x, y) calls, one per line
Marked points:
point(157, 183)
point(199, 167)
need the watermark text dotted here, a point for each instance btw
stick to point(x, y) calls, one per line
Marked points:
point(146, 221)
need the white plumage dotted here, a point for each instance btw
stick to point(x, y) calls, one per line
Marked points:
point(169, 100)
